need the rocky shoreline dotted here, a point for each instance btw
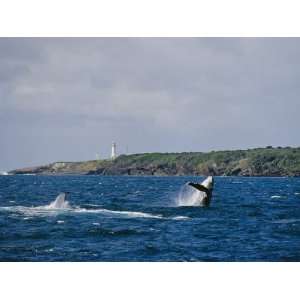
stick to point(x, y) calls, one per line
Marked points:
point(253, 162)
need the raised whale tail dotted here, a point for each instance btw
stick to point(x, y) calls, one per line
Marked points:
point(205, 186)
point(199, 187)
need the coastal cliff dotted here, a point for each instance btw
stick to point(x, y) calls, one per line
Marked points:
point(253, 162)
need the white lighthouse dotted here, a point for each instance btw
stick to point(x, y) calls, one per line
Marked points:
point(113, 150)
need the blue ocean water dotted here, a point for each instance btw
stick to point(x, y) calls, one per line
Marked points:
point(140, 219)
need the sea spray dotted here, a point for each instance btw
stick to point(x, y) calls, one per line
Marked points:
point(189, 197)
point(59, 203)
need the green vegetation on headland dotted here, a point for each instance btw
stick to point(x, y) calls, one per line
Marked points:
point(253, 162)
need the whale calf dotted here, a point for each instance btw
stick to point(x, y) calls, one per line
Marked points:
point(205, 186)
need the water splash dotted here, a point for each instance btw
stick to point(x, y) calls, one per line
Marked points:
point(59, 203)
point(189, 197)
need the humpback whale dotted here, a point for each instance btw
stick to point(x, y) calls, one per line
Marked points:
point(205, 186)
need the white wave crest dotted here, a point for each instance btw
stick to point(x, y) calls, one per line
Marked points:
point(130, 214)
point(60, 205)
point(180, 218)
point(34, 211)
point(48, 210)
point(44, 211)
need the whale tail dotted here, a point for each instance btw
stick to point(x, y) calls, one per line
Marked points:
point(199, 187)
point(205, 186)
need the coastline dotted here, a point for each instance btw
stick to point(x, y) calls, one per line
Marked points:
point(258, 162)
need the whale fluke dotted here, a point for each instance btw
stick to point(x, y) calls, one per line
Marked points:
point(205, 186)
point(199, 187)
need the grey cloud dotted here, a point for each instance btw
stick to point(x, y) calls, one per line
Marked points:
point(69, 98)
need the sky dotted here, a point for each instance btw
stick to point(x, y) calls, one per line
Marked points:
point(68, 99)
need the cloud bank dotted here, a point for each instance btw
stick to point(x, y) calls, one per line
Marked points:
point(65, 99)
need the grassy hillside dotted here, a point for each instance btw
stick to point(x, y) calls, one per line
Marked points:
point(254, 162)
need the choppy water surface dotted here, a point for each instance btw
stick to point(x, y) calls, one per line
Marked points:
point(145, 219)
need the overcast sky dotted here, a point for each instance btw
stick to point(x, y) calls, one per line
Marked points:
point(66, 99)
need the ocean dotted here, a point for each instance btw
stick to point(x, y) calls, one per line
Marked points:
point(128, 218)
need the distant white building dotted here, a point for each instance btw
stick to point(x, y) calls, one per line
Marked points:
point(113, 150)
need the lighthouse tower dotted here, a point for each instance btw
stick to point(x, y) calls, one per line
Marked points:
point(113, 150)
